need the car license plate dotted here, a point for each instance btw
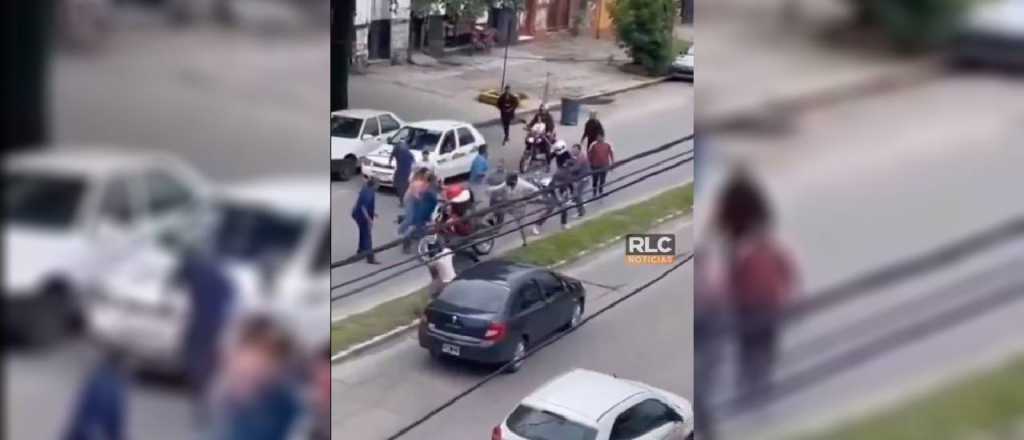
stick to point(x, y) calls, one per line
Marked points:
point(450, 349)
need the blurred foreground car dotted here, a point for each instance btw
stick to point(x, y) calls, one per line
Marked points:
point(354, 134)
point(993, 35)
point(71, 214)
point(587, 405)
point(494, 311)
point(273, 236)
point(451, 145)
point(682, 67)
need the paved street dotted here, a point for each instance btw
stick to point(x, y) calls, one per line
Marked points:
point(235, 105)
point(636, 121)
point(879, 180)
point(647, 338)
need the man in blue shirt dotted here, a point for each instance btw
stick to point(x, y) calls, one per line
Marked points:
point(478, 173)
point(404, 160)
point(364, 213)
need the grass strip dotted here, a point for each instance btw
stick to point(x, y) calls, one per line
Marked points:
point(984, 406)
point(561, 247)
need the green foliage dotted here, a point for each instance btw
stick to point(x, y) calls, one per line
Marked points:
point(645, 29)
point(462, 8)
point(913, 24)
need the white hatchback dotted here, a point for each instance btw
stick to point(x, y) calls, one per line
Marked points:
point(354, 133)
point(273, 236)
point(73, 213)
point(587, 405)
point(450, 145)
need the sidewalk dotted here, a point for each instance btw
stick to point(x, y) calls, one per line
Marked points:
point(563, 65)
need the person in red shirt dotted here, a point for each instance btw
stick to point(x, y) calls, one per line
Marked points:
point(602, 157)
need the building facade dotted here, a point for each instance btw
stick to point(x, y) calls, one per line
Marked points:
point(381, 30)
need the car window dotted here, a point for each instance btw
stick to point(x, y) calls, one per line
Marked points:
point(252, 233)
point(448, 142)
point(345, 127)
point(416, 138)
point(641, 419)
point(167, 193)
point(476, 295)
point(465, 137)
point(322, 258)
point(372, 127)
point(548, 283)
point(388, 124)
point(41, 200)
point(528, 422)
point(116, 204)
point(529, 295)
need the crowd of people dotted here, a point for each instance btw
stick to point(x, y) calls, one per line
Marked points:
point(246, 372)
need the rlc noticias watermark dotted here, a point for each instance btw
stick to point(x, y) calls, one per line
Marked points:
point(650, 249)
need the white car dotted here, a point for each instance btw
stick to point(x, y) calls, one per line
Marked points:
point(992, 34)
point(273, 236)
point(71, 214)
point(451, 146)
point(588, 405)
point(354, 134)
point(682, 67)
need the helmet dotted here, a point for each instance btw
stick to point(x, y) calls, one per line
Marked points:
point(456, 194)
point(559, 147)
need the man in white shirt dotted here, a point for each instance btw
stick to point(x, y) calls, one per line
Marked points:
point(441, 267)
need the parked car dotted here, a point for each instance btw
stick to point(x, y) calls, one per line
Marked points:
point(71, 214)
point(494, 311)
point(587, 405)
point(682, 67)
point(354, 133)
point(273, 236)
point(993, 34)
point(451, 145)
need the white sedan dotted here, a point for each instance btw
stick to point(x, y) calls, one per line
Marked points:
point(71, 214)
point(450, 145)
point(354, 133)
point(273, 236)
point(683, 66)
point(588, 405)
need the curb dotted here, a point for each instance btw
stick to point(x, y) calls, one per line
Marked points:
point(397, 332)
point(777, 109)
point(558, 106)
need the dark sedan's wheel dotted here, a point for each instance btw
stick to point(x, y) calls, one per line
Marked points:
point(485, 247)
point(577, 316)
point(349, 167)
point(517, 357)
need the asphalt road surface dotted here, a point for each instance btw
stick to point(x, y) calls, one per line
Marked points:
point(875, 181)
point(635, 122)
point(647, 338)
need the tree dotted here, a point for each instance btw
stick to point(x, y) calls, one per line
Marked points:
point(911, 24)
point(645, 29)
point(456, 9)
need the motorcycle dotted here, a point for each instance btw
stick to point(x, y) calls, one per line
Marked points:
point(483, 38)
point(452, 239)
point(537, 149)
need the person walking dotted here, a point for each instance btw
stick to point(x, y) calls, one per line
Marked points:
point(441, 267)
point(364, 213)
point(763, 278)
point(403, 160)
point(582, 168)
point(99, 411)
point(422, 214)
point(515, 188)
point(591, 130)
point(602, 157)
point(507, 105)
point(478, 174)
point(211, 296)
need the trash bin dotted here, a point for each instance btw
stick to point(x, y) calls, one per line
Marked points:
point(570, 110)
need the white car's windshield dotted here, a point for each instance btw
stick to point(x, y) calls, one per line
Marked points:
point(419, 139)
point(253, 234)
point(42, 200)
point(345, 127)
point(536, 424)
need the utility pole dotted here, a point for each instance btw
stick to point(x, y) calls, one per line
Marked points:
point(28, 117)
point(508, 41)
point(342, 30)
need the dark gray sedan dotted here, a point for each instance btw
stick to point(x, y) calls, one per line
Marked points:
point(494, 311)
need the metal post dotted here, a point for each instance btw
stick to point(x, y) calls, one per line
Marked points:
point(508, 41)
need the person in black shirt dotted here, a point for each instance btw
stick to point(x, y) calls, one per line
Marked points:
point(591, 130)
point(543, 115)
point(507, 105)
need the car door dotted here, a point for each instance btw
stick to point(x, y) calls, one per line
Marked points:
point(447, 166)
point(119, 221)
point(173, 209)
point(466, 150)
point(371, 137)
point(560, 301)
point(529, 311)
point(649, 419)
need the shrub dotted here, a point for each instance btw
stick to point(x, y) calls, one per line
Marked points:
point(645, 29)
